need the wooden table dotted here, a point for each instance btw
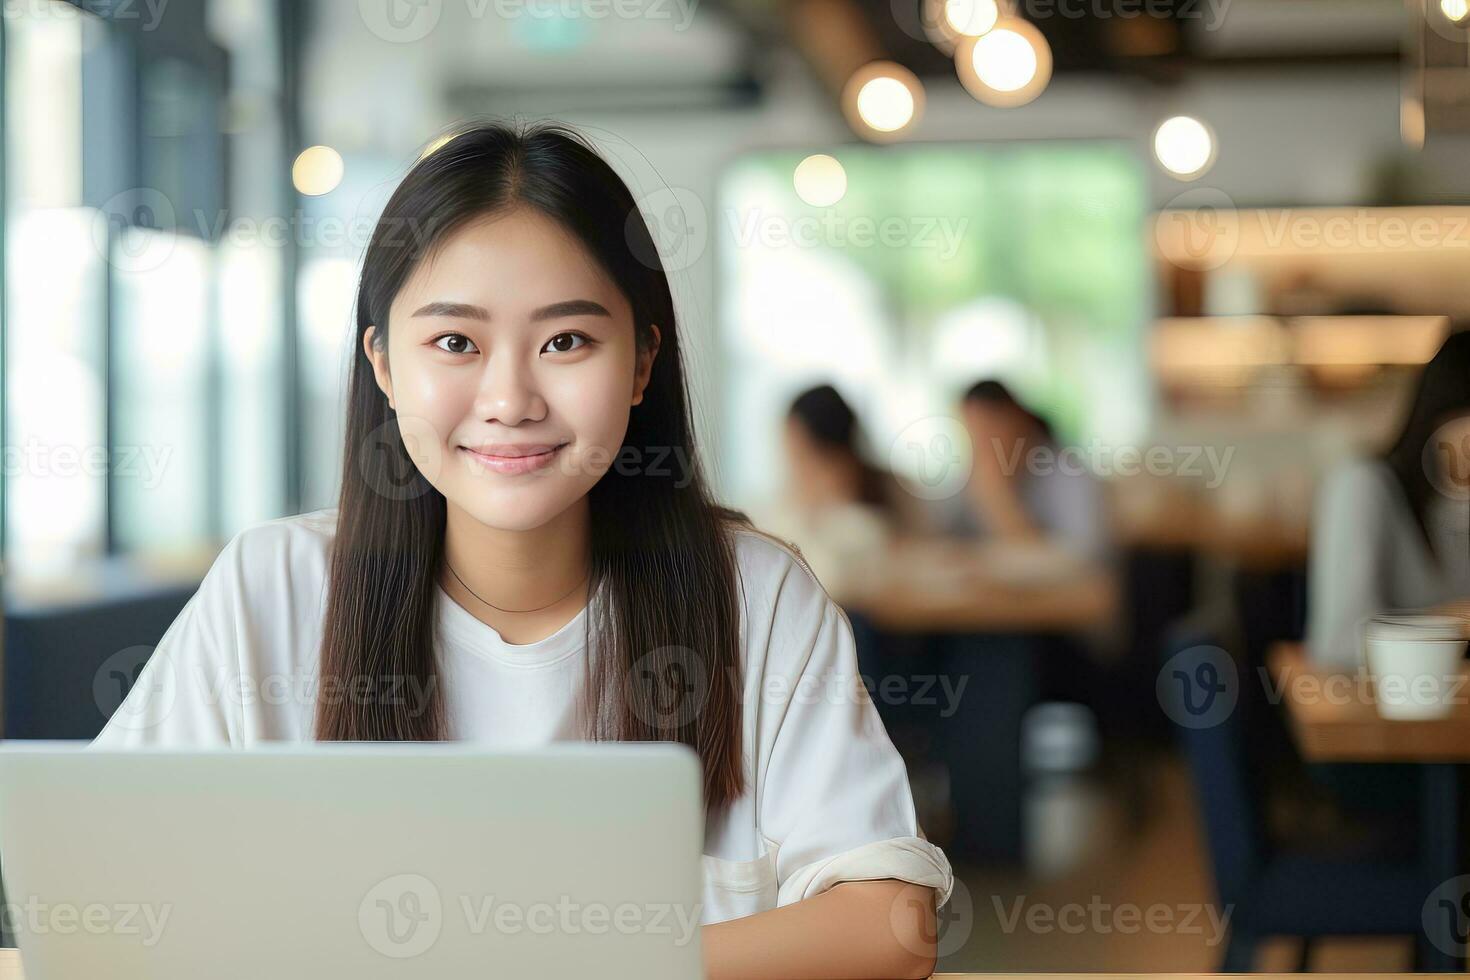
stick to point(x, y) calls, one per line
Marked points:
point(10, 970)
point(1333, 718)
point(984, 612)
point(962, 587)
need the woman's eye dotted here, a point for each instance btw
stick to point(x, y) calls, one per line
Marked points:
point(460, 344)
point(564, 342)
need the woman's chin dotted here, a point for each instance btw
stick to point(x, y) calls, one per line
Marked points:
point(515, 509)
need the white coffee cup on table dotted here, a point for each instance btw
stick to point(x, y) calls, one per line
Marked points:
point(1417, 664)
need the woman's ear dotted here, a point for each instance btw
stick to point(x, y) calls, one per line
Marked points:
point(645, 364)
point(379, 360)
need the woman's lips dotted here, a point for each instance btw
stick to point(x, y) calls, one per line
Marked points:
point(522, 462)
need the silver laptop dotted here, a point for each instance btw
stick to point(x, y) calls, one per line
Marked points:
point(353, 860)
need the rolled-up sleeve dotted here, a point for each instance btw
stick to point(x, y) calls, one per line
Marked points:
point(835, 795)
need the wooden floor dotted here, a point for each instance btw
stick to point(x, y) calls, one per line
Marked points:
point(1142, 849)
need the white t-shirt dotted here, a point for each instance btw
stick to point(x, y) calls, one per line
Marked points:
point(827, 796)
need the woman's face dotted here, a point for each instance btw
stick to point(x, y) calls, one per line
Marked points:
point(818, 475)
point(512, 365)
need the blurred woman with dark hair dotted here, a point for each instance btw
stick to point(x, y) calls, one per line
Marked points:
point(838, 508)
point(1393, 532)
point(1007, 498)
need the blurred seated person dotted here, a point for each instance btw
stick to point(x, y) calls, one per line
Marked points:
point(840, 510)
point(1393, 531)
point(1016, 495)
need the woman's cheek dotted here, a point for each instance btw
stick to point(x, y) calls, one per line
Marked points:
point(596, 411)
point(429, 407)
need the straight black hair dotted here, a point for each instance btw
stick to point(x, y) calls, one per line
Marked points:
point(831, 422)
point(1442, 393)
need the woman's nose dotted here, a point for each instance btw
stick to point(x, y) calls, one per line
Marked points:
point(508, 393)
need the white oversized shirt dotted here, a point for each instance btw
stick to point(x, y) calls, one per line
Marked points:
point(827, 796)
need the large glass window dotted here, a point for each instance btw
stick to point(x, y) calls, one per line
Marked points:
point(161, 440)
point(932, 267)
point(56, 283)
point(145, 381)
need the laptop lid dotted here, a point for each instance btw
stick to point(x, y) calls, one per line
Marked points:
point(362, 860)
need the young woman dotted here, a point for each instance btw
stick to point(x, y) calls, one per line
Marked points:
point(1003, 500)
point(525, 550)
point(1394, 532)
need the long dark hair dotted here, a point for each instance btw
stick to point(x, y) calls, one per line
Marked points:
point(831, 423)
point(663, 617)
point(1443, 392)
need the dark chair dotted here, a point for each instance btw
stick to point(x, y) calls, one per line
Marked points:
point(1272, 888)
point(68, 666)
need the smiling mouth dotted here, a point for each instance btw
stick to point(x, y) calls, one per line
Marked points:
point(515, 460)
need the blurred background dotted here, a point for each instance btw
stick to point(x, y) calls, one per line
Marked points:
point(1039, 326)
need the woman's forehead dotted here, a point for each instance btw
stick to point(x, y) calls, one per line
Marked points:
point(515, 262)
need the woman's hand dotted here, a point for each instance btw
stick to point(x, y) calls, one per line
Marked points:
point(855, 929)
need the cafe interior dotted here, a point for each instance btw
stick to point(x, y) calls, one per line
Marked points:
point(1105, 360)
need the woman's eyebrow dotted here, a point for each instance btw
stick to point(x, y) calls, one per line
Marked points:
point(567, 307)
point(462, 310)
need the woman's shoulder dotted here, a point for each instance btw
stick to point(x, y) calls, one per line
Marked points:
point(768, 559)
point(277, 564)
point(295, 539)
point(783, 598)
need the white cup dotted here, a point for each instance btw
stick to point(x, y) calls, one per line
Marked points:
point(1416, 661)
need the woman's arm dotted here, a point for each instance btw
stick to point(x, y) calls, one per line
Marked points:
point(854, 929)
point(1350, 561)
point(994, 491)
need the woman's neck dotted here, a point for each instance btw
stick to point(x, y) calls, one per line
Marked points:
point(537, 578)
